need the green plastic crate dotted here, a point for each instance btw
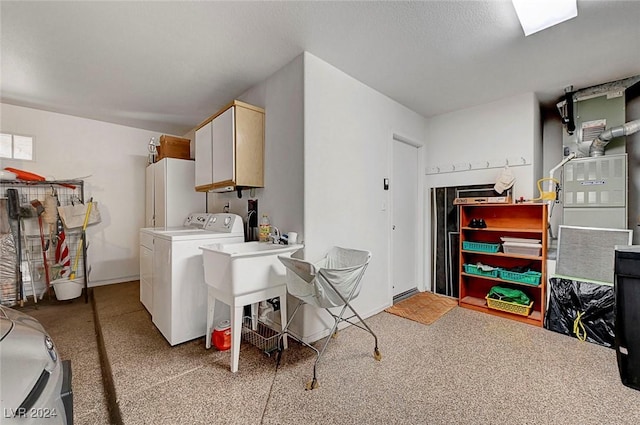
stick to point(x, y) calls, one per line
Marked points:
point(529, 277)
point(473, 269)
point(480, 246)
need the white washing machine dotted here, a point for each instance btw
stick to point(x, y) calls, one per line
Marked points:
point(194, 221)
point(178, 290)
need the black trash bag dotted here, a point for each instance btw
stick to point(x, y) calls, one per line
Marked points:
point(594, 303)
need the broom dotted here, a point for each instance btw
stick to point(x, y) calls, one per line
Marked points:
point(39, 210)
point(84, 227)
point(27, 211)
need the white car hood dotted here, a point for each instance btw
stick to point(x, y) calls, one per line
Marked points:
point(24, 356)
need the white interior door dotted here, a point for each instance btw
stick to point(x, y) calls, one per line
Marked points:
point(404, 189)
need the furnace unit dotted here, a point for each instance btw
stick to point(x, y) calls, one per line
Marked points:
point(594, 184)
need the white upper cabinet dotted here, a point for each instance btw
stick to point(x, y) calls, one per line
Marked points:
point(223, 137)
point(230, 149)
point(204, 172)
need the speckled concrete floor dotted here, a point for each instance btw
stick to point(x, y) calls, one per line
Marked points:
point(71, 326)
point(466, 368)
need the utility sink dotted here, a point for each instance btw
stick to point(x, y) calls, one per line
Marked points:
point(239, 274)
point(240, 268)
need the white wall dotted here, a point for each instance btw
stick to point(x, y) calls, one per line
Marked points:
point(552, 156)
point(348, 134)
point(326, 153)
point(509, 128)
point(538, 151)
point(282, 198)
point(281, 95)
point(114, 157)
point(505, 129)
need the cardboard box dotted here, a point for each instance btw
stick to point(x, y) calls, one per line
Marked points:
point(174, 147)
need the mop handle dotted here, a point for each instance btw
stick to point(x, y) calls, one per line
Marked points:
point(86, 216)
point(44, 253)
point(84, 227)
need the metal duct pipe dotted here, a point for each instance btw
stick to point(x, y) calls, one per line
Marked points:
point(599, 143)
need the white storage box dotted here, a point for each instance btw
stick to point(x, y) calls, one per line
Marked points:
point(522, 248)
point(519, 240)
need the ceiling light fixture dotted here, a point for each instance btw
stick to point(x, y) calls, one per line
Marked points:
point(536, 15)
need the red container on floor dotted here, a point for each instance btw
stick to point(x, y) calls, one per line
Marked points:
point(222, 336)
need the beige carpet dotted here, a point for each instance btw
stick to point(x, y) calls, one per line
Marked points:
point(424, 307)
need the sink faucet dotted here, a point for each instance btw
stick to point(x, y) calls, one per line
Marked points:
point(275, 237)
point(250, 234)
point(249, 214)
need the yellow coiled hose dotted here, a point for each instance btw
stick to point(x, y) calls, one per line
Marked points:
point(578, 327)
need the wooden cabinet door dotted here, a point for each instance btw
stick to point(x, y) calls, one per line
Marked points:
point(223, 136)
point(204, 174)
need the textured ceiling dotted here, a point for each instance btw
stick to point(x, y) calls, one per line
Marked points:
point(166, 66)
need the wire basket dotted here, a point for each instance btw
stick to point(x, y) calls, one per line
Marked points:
point(515, 308)
point(262, 337)
point(480, 246)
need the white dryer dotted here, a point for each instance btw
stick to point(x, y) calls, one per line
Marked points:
point(179, 292)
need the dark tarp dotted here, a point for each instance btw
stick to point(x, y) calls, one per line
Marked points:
point(591, 303)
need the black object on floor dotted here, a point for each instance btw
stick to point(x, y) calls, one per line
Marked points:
point(583, 310)
point(627, 299)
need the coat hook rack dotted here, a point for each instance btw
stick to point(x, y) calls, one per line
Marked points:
point(485, 164)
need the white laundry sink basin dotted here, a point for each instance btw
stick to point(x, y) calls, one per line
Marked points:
point(241, 268)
